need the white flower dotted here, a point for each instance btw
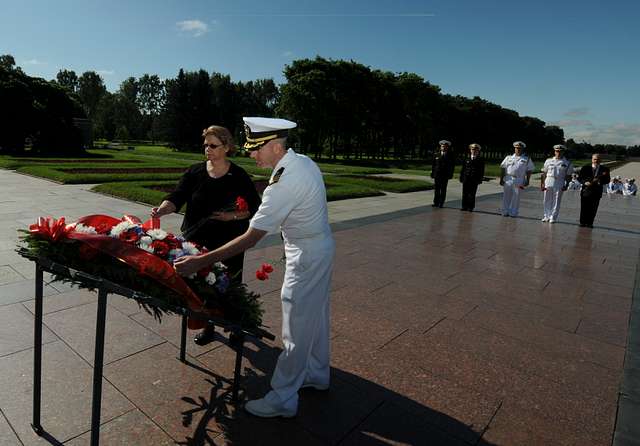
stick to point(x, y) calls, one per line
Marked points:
point(157, 234)
point(221, 266)
point(146, 247)
point(190, 249)
point(145, 240)
point(85, 229)
point(121, 227)
point(210, 279)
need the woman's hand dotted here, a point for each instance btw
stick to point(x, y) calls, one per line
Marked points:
point(155, 213)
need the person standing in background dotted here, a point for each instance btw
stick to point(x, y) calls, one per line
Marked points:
point(444, 162)
point(471, 177)
point(515, 173)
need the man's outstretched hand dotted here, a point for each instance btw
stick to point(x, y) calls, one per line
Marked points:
point(187, 265)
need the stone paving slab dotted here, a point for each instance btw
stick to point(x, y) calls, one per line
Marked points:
point(447, 328)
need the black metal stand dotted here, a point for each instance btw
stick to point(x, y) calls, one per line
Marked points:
point(236, 337)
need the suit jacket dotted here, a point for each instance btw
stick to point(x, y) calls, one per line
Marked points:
point(443, 165)
point(601, 178)
point(472, 170)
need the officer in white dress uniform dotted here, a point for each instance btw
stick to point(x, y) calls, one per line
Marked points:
point(556, 173)
point(629, 187)
point(574, 184)
point(515, 173)
point(295, 202)
point(615, 185)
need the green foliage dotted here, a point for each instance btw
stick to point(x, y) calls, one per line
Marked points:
point(386, 184)
point(38, 110)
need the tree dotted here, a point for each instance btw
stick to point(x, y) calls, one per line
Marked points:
point(151, 96)
point(68, 79)
point(90, 90)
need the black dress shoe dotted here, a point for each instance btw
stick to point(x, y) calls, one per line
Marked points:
point(434, 205)
point(206, 336)
point(582, 225)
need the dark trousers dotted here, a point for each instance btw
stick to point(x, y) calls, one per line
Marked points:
point(588, 209)
point(440, 191)
point(469, 195)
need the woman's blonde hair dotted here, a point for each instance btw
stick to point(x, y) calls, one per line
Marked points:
point(223, 134)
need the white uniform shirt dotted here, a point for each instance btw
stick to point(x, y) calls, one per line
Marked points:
point(517, 166)
point(575, 185)
point(614, 188)
point(297, 203)
point(629, 189)
point(556, 172)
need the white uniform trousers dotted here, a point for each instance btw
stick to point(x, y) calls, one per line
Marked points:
point(305, 320)
point(511, 196)
point(552, 199)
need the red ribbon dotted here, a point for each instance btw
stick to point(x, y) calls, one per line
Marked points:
point(142, 261)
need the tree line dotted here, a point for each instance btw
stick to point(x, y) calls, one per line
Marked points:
point(343, 109)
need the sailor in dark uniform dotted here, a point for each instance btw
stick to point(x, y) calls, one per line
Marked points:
point(444, 161)
point(471, 176)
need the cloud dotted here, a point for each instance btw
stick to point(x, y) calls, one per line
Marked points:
point(33, 62)
point(627, 134)
point(409, 14)
point(578, 111)
point(287, 54)
point(105, 72)
point(573, 123)
point(197, 28)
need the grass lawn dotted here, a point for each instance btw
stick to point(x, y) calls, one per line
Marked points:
point(138, 174)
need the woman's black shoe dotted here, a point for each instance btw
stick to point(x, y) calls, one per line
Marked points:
point(206, 336)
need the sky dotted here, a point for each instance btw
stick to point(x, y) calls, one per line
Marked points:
point(568, 62)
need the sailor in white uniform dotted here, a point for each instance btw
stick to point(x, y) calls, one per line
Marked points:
point(574, 184)
point(516, 171)
point(554, 181)
point(615, 185)
point(295, 202)
point(629, 187)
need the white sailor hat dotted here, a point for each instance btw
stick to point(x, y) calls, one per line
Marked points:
point(519, 144)
point(559, 147)
point(444, 142)
point(259, 131)
point(475, 146)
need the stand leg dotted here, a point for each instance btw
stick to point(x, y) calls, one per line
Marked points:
point(37, 354)
point(97, 368)
point(237, 340)
point(183, 338)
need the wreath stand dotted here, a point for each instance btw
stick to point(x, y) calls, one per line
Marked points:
point(237, 335)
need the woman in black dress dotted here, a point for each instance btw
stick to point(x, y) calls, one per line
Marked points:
point(211, 191)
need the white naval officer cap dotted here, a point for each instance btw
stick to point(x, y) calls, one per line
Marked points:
point(475, 146)
point(559, 147)
point(258, 131)
point(519, 144)
point(444, 142)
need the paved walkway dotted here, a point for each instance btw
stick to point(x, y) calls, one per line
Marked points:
point(447, 328)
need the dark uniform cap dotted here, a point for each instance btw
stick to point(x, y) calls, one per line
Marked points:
point(259, 131)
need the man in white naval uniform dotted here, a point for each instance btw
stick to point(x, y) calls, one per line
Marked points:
point(515, 172)
point(629, 187)
point(295, 203)
point(556, 173)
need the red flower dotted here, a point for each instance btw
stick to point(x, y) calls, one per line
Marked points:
point(267, 268)
point(261, 275)
point(241, 204)
point(129, 236)
point(172, 241)
point(160, 248)
point(103, 228)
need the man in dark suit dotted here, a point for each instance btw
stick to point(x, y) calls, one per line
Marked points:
point(592, 177)
point(442, 171)
point(471, 177)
